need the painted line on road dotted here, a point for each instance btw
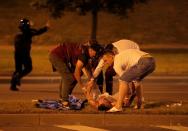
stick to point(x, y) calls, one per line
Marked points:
point(176, 128)
point(80, 128)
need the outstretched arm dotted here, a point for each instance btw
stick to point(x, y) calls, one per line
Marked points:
point(41, 30)
point(77, 72)
point(91, 101)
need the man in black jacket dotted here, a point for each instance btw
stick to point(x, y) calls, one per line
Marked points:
point(22, 46)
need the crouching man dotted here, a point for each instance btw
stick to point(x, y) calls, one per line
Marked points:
point(130, 65)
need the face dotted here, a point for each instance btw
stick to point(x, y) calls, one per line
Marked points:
point(108, 59)
point(104, 101)
point(92, 52)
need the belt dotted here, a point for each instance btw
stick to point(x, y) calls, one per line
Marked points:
point(146, 56)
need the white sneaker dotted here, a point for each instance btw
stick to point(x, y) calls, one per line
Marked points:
point(114, 109)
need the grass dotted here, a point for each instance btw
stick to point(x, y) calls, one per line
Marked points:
point(167, 63)
point(171, 63)
point(160, 21)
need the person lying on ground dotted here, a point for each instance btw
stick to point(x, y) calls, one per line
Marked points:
point(105, 101)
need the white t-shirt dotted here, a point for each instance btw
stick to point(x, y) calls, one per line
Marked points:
point(124, 44)
point(126, 59)
point(121, 46)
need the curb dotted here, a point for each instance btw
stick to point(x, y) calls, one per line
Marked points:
point(107, 119)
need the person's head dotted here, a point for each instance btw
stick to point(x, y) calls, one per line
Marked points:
point(93, 50)
point(104, 103)
point(109, 47)
point(108, 57)
point(112, 48)
point(24, 24)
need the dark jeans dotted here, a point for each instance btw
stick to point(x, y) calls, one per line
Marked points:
point(145, 66)
point(68, 82)
point(23, 64)
point(108, 80)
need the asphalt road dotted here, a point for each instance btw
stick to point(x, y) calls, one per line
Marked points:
point(155, 88)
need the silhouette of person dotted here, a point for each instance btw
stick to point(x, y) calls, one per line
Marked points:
point(22, 48)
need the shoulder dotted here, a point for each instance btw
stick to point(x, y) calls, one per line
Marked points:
point(82, 57)
point(18, 35)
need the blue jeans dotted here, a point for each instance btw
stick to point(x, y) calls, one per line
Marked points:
point(145, 66)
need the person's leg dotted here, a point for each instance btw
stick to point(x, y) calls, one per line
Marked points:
point(109, 79)
point(100, 82)
point(18, 68)
point(129, 96)
point(123, 90)
point(67, 82)
point(136, 73)
point(139, 93)
point(27, 63)
point(132, 95)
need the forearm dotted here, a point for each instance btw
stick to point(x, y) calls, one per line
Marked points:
point(77, 72)
point(77, 76)
point(91, 101)
point(98, 69)
point(87, 73)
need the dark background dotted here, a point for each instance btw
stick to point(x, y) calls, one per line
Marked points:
point(157, 22)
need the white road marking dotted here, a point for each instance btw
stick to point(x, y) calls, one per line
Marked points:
point(80, 128)
point(176, 128)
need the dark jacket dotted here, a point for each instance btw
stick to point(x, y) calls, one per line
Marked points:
point(23, 40)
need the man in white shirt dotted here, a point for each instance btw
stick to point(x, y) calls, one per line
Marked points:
point(130, 65)
point(116, 47)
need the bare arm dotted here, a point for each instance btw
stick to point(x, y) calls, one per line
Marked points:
point(86, 73)
point(77, 72)
point(91, 101)
point(99, 68)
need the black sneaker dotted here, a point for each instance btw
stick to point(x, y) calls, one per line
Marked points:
point(18, 82)
point(13, 88)
point(13, 85)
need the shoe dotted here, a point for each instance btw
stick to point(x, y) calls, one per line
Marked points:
point(18, 82)
point(138, 106)
point(16, 79)
point(114, 109)
point(13, 88)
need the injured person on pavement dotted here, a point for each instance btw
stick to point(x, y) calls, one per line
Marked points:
point(105, 101)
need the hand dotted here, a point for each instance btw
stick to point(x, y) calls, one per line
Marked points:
point(90, 84)
point(48, 23)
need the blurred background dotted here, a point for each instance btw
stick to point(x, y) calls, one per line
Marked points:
point(156, 22)
point(159, 27)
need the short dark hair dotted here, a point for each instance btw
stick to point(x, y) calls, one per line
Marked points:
point(108, 52)
point(96, 47)
point(109, 47)
point(103, 107)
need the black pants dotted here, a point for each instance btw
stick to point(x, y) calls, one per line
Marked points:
point(23, 64)
point(108, 80)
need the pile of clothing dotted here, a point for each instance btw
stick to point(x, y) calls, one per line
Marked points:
point(74, 104)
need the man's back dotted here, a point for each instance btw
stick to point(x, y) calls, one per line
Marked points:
point(124, 44)
point(126, 59)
